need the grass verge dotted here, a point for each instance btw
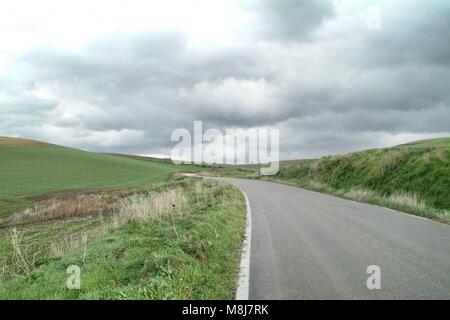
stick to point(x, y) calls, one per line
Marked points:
point(181, 243)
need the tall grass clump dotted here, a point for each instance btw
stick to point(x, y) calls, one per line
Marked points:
point(400, 200)
point(21, 262)
point(440, 154)
point(142, 207)
point(72, 242)
point(316, 185)
point(360, 194)
point(403, 200)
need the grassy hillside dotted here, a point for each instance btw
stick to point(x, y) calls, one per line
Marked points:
point(418, 173)
point(29, 168)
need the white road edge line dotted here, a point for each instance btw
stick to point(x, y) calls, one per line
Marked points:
point(243, 283)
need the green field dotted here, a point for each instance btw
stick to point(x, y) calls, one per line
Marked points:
point(28, 170)
point(189, 252)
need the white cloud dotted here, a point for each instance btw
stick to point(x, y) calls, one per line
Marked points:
point(71, 24)
point(234, 97)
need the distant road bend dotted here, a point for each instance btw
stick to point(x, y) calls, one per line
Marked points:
point(308, 245)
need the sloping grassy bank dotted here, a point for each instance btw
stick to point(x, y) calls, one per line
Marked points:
point(413, 178)
point(181, 243)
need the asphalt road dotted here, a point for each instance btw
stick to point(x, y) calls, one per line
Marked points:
point(308, 245)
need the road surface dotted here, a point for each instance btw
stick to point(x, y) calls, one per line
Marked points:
point(308, 245)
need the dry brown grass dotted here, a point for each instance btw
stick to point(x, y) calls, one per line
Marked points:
point(57, 208)
point(315, 167)
point(440, 154)
point(405, 199)
point(142, 207)
point(121, 207)
point(138, 207)
point(391, 159)
point(10, 141)
point(316, 185)
point(400, 199)
point(360, 194)
point(73, 242)
point(21, 262)
point(201, 192)
point(427, 157)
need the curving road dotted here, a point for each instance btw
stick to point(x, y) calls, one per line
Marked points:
point(308, 245)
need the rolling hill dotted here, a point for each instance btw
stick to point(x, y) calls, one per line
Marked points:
point(30, 168)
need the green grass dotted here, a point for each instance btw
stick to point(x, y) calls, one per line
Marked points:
point(150, 260)
point(134, 261)
point(423, 169)
point(28, 170)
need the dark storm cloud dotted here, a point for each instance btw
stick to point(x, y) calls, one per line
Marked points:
point(411, 33)
point(129, 81)
point(127, 92)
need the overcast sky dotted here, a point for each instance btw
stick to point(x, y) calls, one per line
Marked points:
point(120, 76)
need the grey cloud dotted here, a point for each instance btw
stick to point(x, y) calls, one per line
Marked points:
point(411, 32)
point(291, 20)
point(139, 87)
